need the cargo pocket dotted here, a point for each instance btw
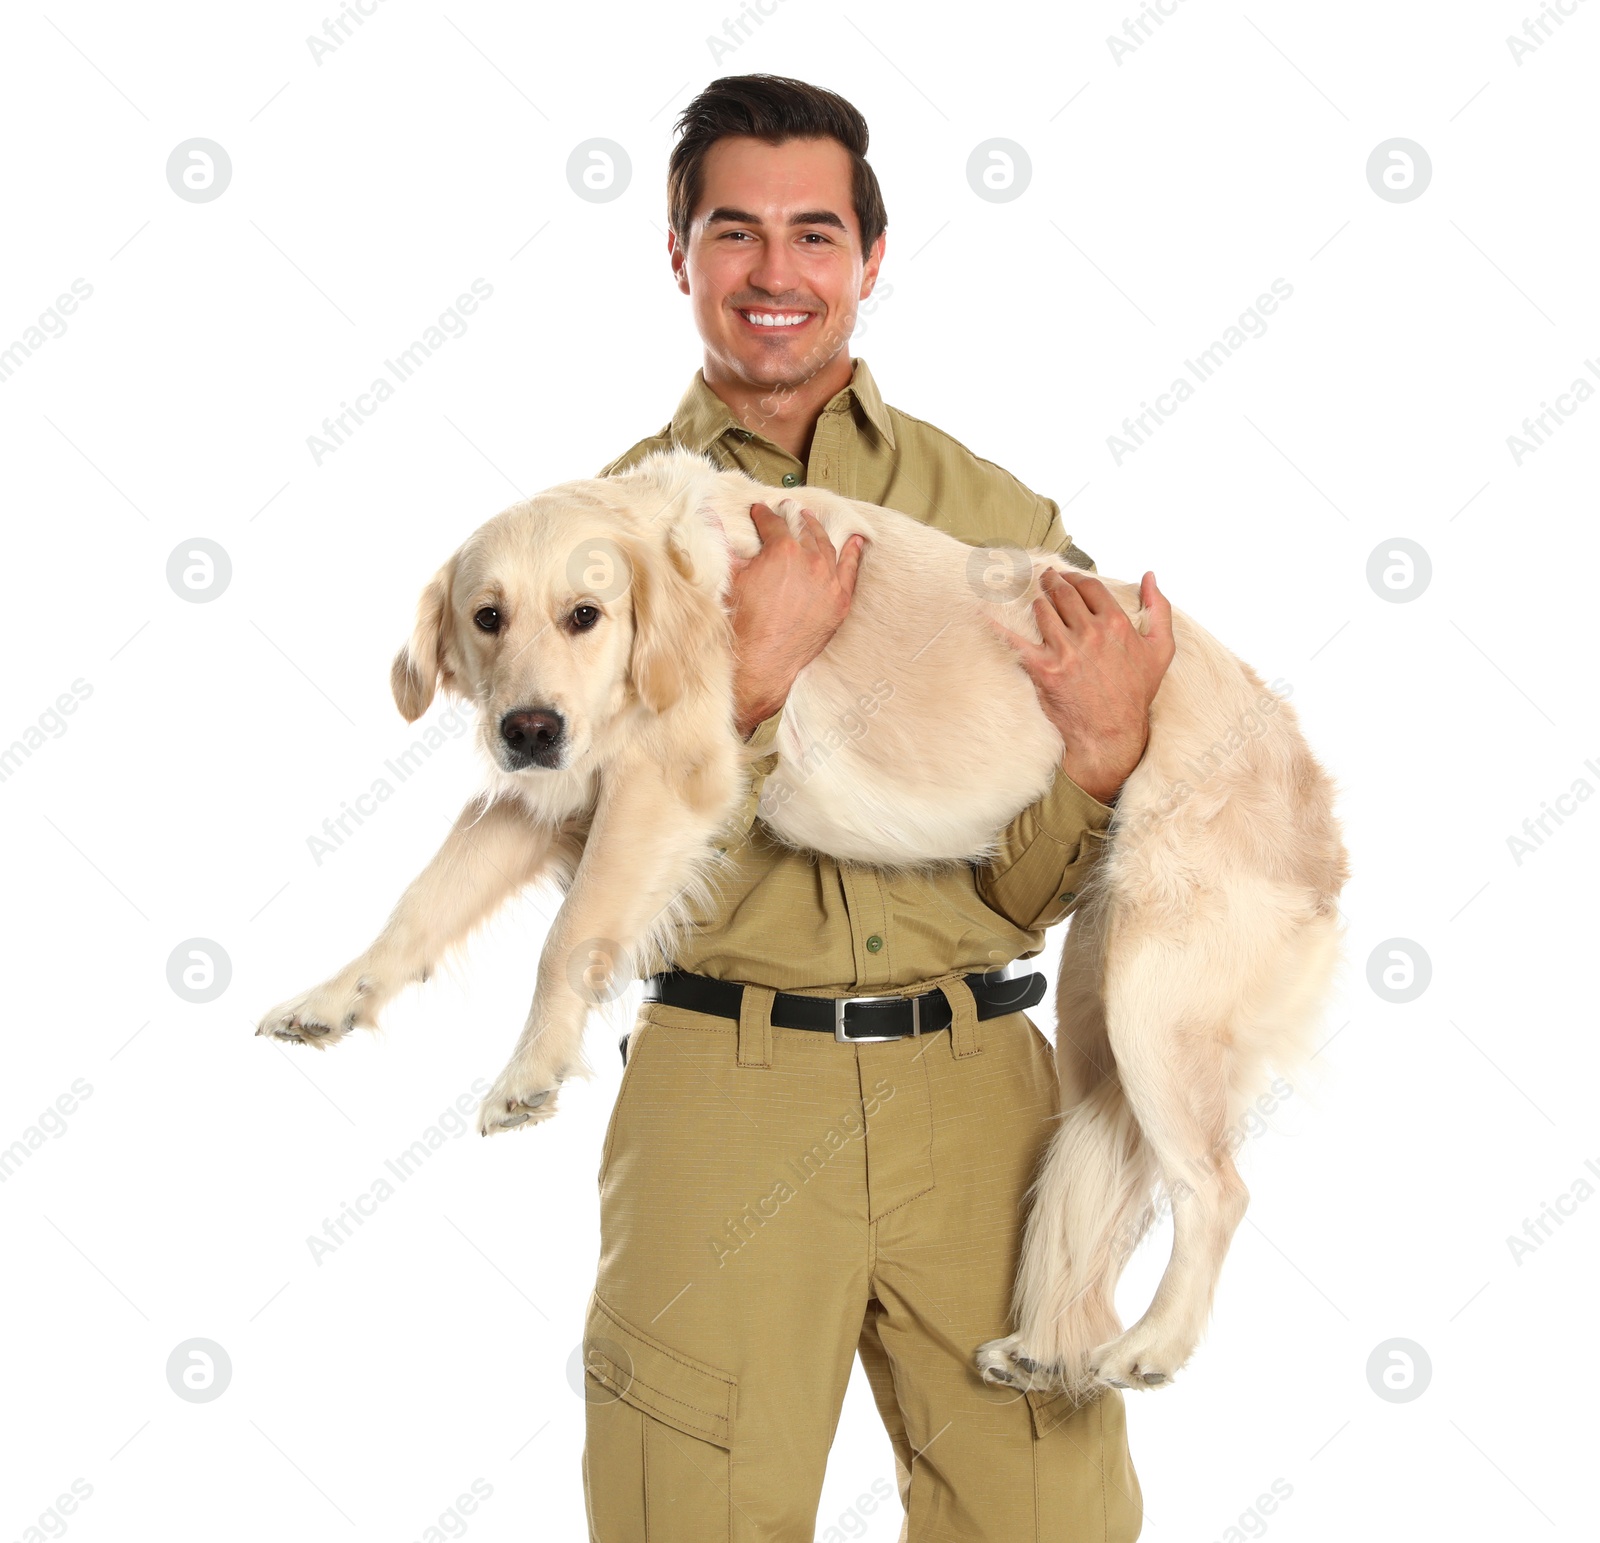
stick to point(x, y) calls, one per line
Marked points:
point(658, 1459)
point(1083, 1474)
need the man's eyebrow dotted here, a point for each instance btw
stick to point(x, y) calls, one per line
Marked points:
point(725, 214)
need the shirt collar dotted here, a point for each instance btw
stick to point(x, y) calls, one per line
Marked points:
point(702, 417)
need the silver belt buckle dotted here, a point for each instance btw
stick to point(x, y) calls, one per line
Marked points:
point(840, 1003)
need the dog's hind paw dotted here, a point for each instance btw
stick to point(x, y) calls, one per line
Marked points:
point(1136, 1359)
point(1006, 1362)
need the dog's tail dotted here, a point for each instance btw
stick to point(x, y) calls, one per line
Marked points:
point(1094, 1195)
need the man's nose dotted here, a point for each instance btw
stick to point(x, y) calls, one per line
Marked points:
point(533, 734)
point(774, 270)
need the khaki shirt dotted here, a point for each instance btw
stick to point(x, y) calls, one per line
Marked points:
point(799, 921)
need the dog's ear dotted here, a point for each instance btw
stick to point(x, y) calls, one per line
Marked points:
point(427, 662)
point(677, 627)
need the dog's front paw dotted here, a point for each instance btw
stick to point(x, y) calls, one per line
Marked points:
point(324, 1015)
point(515, 1101)
point(1007, 1362)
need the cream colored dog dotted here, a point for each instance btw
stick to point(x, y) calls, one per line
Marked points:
point(588, 626)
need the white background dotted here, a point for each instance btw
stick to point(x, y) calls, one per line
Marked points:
point(1168, 191)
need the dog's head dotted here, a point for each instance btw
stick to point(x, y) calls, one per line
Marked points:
point(565, 614)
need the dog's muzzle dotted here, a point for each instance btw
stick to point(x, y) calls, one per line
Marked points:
point(533, 736)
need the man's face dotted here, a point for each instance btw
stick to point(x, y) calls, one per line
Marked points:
point(774, 264)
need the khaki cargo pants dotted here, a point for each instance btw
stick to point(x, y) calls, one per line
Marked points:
point(774, 1203)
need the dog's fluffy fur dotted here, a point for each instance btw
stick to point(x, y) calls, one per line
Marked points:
point(1199, 956)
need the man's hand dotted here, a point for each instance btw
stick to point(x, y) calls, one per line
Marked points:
point(788, 601)
point(1095, 675)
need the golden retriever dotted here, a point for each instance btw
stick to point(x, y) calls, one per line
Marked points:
point(588, 626)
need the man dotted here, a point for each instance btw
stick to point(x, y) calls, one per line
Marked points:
point(776, 1200)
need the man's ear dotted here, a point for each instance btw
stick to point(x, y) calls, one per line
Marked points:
point(427, 661)
point(677, 627)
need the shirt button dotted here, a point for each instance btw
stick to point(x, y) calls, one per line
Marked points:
point(874, 943)
point(1069, 897)
point(790, 480)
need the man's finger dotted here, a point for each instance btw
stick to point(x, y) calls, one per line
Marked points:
point(1158, 607)
point(813, 528)
point(1053, 631)
point(767, 523)
point(1063, 598)
point(850, 562)
point(1095, 596)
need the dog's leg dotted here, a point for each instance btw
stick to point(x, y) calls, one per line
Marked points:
point(1174, 1071)
point(648, 841)
point(490, 854)
point(1090, 1201)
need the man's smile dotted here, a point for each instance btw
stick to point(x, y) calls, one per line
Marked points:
point(774, 321)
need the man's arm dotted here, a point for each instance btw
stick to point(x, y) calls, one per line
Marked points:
point(788, 601)
point(1095, 677)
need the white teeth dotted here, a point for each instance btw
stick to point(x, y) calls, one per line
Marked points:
point(776, 318)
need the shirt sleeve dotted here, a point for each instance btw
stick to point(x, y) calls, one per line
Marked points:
point(758, 799)
point(1047, 852)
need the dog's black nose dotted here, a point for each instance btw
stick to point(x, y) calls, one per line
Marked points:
point(533, 735)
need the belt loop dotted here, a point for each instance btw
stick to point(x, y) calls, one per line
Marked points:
point(755, 1026)
point(963, 1018)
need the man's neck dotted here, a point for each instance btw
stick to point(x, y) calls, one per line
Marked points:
point(787, 415)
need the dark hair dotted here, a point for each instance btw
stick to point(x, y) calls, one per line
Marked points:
point(774, 108)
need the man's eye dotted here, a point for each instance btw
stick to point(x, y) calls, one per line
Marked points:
point(584, 617)
point(488, 619)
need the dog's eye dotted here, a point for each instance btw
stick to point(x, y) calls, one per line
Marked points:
point(584, 617)
point(488, 619)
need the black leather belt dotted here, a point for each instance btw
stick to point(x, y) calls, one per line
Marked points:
point(846, 1018)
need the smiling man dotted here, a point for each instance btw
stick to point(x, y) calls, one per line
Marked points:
point(833, 1106)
